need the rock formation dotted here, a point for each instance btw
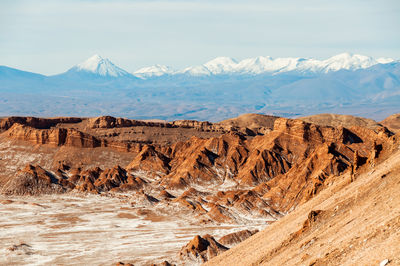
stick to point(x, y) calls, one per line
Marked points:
point(344, 224)
point(294, 158)
point(253, 168)
point(201, 249)
point(34, 180)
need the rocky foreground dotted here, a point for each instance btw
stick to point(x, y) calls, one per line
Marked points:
point(251, 170)
point(349, 223)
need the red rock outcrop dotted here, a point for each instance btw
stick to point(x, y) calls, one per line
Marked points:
point(201, 249)
point(113, 122)
point(39, 123)
point(96, 180)
point(192, 124)
point(53, 136)
point(150, 160)
point(65, 137)
point(34, 180)
point(117, 122)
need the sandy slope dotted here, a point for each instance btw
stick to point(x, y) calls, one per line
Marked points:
point(392, 122)
point(359, 225)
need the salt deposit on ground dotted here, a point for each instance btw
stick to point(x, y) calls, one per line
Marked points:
point(93, 230)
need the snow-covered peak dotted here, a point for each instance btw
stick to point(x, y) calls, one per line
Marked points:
point(262, 64)
point(100, 66)
point(221, 65)
point(153, 71)
point(91, 63)
point(385, 60)
point(346, 61)
point(201, 70)
point(267, 64)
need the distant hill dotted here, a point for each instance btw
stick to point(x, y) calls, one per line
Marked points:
point(251, 121)
point(336, 120)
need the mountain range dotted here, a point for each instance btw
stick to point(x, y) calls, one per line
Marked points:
point(221, 88)
point(267, 64)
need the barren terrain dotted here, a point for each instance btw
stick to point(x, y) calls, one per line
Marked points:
point(91, 230)
point(106, 190)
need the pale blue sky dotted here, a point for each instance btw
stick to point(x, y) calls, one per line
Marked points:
point(50, 36)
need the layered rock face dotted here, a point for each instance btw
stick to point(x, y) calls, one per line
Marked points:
point(106, 131)
point(53, 136)
point(40, 123)
point(65, 137)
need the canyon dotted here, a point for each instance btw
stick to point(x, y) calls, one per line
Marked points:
point(197, 187)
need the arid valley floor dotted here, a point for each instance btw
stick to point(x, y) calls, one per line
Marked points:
point(256, 189)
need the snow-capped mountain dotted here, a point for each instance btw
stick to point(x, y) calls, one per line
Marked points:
point(99, 66)
point(342, 61)
point(267, 64)
point(221, 65)
point(264, 64)
point(153, 71)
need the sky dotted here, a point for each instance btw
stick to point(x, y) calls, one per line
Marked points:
point(50, 37)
